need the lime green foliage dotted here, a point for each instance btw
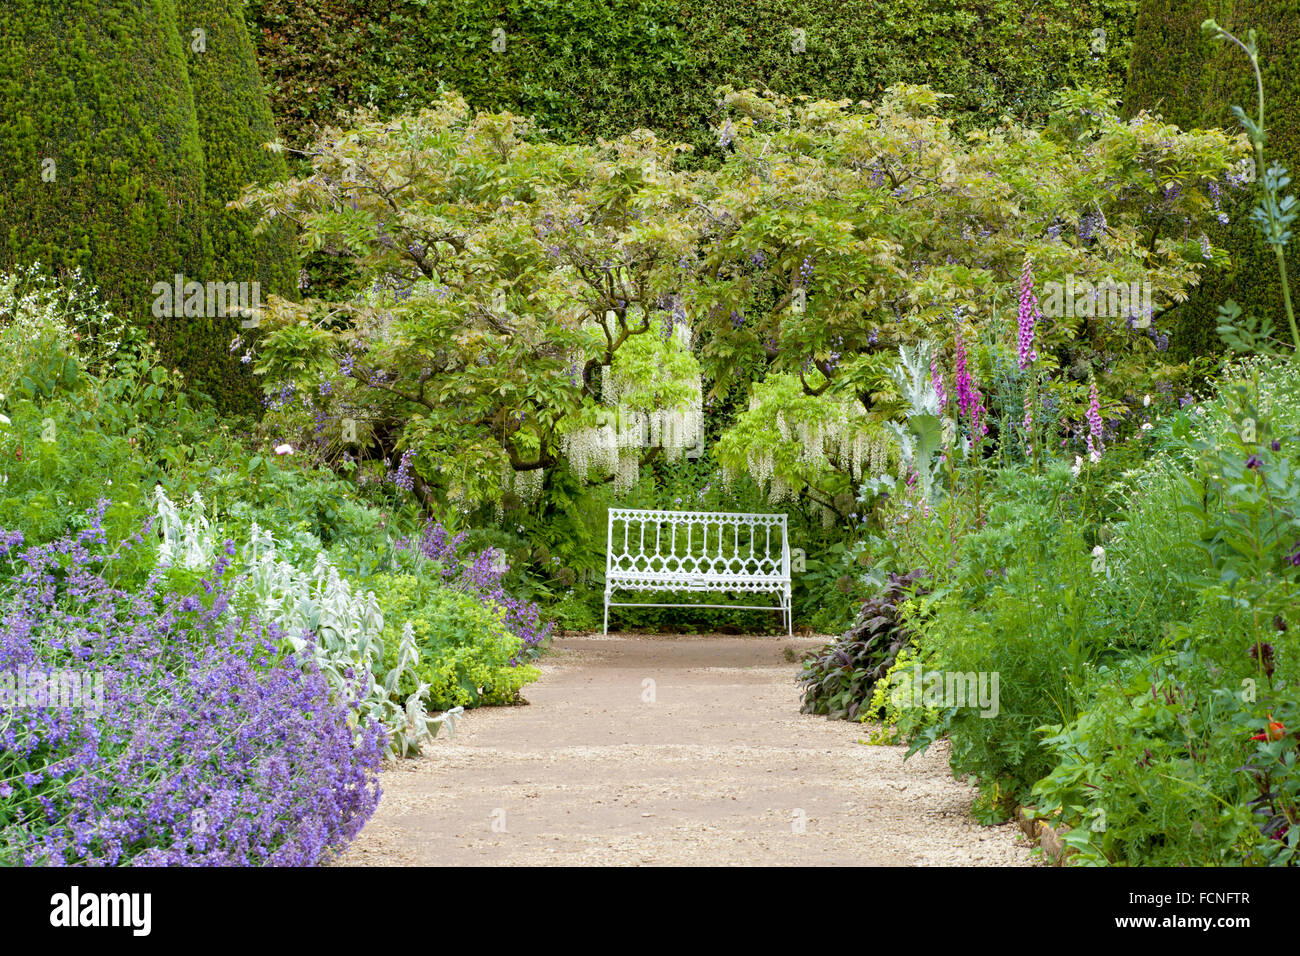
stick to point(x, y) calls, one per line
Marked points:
point(466, 651)
point(893, 710)
point(1193, 81)
point(235, 122)
point(100, 159)
point(603, 67)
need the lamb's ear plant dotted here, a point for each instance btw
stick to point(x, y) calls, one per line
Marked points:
point(323, 618)
point(1275, 212)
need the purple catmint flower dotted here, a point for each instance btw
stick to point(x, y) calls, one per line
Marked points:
point(203, 744)
point(475, 573)
point(1028, 315)
point(402, 477)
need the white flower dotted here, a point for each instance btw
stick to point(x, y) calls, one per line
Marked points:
point(1147, 426)
point(4, 420)
point(285, 449)
point(1146, 400)
point(1200, 410)
point(1078, 466)
point(1099, 552)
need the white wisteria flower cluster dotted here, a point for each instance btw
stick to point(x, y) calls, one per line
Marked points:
point(653, 398)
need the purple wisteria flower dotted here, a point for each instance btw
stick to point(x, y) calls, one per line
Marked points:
point(805, 271)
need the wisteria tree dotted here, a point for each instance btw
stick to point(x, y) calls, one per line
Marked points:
point(510, 275)
point(838, 233)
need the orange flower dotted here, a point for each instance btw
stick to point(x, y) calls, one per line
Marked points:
point(1276, 731)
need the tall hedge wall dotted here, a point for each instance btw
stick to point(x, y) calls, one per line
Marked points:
point(99, 88)
point(588, 67)
point(1192, 81)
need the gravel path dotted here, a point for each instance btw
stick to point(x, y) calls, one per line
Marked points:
point(667, 750)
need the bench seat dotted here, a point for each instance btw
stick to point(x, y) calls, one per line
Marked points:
point(695, 552)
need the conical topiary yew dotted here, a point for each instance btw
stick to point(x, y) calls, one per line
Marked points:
point(125, 128)
point(100, 162)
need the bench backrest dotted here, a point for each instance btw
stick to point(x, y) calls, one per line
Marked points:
point(688, 543)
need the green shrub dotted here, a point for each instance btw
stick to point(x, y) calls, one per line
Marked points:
point(466, 651)
point(100, 161)
point(107, 110)
point(1019, 603)
point(1149, 680)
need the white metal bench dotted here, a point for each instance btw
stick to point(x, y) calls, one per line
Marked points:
point(698, 552)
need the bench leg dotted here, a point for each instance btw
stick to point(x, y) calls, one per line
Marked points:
point(605, 628)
